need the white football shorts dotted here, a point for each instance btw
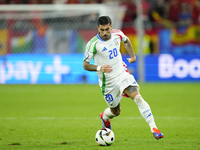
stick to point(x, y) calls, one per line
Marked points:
point(114, 94)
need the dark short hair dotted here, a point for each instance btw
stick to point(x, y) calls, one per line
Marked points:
point(104, 20)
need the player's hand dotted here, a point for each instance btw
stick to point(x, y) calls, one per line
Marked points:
point(106, 69)
point(131, 60)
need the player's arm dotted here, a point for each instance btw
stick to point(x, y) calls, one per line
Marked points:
point(90, 67)
point(129, 48)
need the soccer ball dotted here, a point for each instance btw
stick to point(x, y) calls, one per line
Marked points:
point(104, 137)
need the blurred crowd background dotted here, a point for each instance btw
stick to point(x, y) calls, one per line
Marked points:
point(170, 26)
point(179, 13)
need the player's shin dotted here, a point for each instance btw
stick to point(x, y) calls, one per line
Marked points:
point(145, 111)
point(108, 114)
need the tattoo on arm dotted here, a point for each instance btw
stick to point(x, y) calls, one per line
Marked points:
point(129, 48)
point(89, 67)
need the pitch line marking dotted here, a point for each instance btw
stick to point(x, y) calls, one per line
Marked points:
point(85, 118)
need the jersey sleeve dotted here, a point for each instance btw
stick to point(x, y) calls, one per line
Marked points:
point(123, 37)
point(90, 50)
point(88, 54)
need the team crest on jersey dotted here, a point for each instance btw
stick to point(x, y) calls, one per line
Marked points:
point(116, 42)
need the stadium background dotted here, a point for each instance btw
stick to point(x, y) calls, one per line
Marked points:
point(44, 47)
point(58, 105)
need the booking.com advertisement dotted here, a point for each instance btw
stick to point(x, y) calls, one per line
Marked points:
point(67, 69)
point(166, 67)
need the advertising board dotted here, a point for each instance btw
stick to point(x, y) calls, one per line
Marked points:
point(166, 67)
point(44, 69)
point(67, 69)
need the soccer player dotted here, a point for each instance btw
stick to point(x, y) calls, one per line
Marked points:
point(114, 78)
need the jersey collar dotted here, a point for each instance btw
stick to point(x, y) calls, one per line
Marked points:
point(98, 36)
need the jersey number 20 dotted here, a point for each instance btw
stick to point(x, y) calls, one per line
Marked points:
point(113, 53)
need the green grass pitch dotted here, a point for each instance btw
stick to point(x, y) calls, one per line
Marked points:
point(60, 117)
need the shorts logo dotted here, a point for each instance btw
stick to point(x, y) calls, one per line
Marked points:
point(134, 82)
point(109, 98)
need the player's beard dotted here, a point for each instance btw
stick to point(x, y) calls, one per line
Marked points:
point(106, 37)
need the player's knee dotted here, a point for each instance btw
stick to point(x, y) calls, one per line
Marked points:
point(131, 91)
point(138, 99)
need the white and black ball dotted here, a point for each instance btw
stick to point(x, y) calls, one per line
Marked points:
point(105, 137)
